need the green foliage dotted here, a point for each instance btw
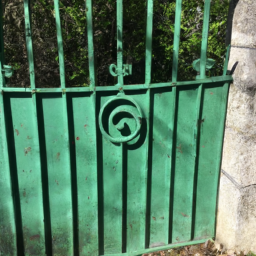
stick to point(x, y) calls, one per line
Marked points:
point(190, 41)
point(251, 254)
point(73, 22)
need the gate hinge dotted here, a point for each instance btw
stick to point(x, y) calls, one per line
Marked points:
point(125, 71)
point(7, 71)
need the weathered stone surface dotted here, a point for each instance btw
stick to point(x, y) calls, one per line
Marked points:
point(244, 75)
point(236, 219)
point(239, 155)
point(244, 24)
point(227, 214)
point(246, 232)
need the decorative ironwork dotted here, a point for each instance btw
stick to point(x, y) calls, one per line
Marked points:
point(126, 71)
point(120, 119)
point(7, 70)
point(208, 65)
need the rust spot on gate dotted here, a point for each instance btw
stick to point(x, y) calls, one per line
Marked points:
point(180, 149)
point(200, 121)
point(17, 132)
point(184, 215)
point(154, 218)
point(26, 150)
point(34, 237)
point(58, 156)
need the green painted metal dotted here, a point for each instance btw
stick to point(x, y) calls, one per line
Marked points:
point(7, 70)
point(160, 248)
point(203, 59)
point(60, 44)
point(149, 42)
point(176, 43)
point(226, 61)
point(209, 64)
point(126, 70)
point(119, 28)
point(210, 80)
point(29, 44)
point(90, 43)
point(29, 180)
point(116, 170)
point(8, 240)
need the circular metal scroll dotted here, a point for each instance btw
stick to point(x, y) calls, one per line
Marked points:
point(121, 104)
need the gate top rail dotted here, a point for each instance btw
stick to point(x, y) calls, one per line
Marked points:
point(201, 78)
point(215, 79)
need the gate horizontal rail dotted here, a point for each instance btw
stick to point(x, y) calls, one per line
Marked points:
point(209, 80)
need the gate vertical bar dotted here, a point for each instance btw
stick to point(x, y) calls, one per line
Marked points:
point(161, 148)
point(84, 118)
point(207, 7)
point(119, 13)
point(182, 203)
point(89, 16)
point(28, 164)
point(225, 69)
point(198, 123)
point(176, 45)
point(2, 59)
point(148, 67)
point(136, 169)
point(176, 40)
point(197, 126)
point(113, 166)
point(28, 34)
point(211, 139)
point(208, 178)
point(8, 242)
point(162, 137)
point(112, 172)
point(60, 44)
point(61, 218)
point(149, 32)
point(184, 165)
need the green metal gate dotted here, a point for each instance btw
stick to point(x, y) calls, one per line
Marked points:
point(116, 170)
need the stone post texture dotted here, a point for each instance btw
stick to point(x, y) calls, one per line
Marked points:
point(236, 216)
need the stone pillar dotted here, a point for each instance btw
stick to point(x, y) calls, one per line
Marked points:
point(236, 216)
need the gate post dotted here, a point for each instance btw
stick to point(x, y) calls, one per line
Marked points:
point(236, 216)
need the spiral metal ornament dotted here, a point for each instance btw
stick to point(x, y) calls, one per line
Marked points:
point(126, 108)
